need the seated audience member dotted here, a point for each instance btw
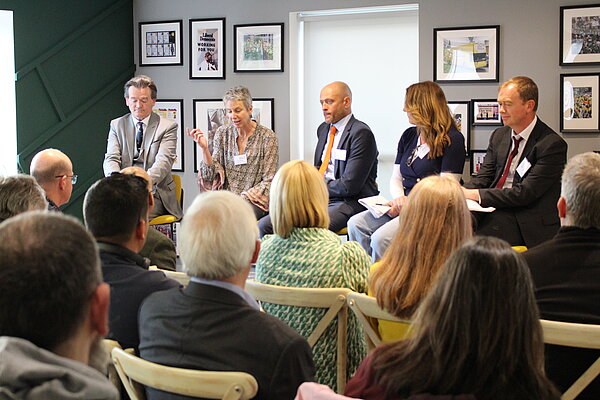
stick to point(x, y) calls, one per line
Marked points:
point(159, 249)
point(53, 171)
point(116, 211)
point(434, 146)
point(53, 311)
point(566, 270)
point(213, 324)
point(304, 253)
point(434, 221)
point(477, 332)
point(20, 193)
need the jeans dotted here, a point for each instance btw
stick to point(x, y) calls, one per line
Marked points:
point(373, 234)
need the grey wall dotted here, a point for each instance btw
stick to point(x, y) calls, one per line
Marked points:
point(529, 35)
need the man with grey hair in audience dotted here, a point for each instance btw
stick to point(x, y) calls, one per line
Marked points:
point(213, 323)
point(566, 269)
point(53, 310)
point(20, 193)
point(53, 171)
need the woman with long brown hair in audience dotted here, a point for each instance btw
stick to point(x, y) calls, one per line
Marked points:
point(476, 333)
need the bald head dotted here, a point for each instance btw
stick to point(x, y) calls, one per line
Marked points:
point(336, 100)
point(137, 171)
point(49, 163)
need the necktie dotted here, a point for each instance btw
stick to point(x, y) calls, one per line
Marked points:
point(139, 135)
point(513, 153)
point(325, 163)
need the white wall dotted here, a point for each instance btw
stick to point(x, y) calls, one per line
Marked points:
point(8, 134)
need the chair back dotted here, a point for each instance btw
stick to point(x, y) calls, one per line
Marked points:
point(332, 299)
point(585, 336)
point(178, 189)
point(180, 277)
point(111, 372)
point(135, 372)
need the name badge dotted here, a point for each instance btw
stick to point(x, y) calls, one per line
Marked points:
point(240, 160)
point(339, 154)
point(423, 150)
point(523, 167)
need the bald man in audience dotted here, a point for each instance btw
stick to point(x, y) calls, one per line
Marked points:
point(53, 171)
point(159, 249)
point(20, 193)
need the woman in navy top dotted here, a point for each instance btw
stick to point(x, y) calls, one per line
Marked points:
point(433, 146)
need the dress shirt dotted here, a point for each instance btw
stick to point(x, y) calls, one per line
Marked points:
point(340, 126)
point(231, 287)
point(515, 161)
point(144, 122)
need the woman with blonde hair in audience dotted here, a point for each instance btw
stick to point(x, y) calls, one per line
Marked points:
point(434, 221)
point(476, 333)
point(304, 253)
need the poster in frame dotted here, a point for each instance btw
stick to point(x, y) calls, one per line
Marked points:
point(258, 47)
point(579, 110)
point(469, 54)
point(477, 157)
point(486, 112)
point(460, 112)
point(207, 48)
point(173, 110)
point(580, 35)
point(210, 115)
point(160, 43)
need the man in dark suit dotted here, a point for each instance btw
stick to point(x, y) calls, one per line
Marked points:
point(213, 323)
point(346, 155)
point(520, 175)
point(566, 269)
point(147, 140)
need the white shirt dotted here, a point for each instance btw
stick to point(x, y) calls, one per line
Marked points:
point(515, 161)
point(340, 126)
point(135, 129)
point(231, 287)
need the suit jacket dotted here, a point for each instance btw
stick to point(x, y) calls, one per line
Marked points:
point(355, 177)
point(531, 201)
point(566, 275)
point(211, 328)
point(159, 147)
point(160, 250)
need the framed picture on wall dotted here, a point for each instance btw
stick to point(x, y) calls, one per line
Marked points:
point(210, 115)
point(469, 54)
point(258, 47)
point(160, 43)
point(173, 110)
point(580, 35)
point(486, 112)
point(207, 48)
point(579, 108)
point(460, 113)
point(477, 157)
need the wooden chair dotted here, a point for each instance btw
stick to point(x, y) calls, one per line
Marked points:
point(180, 277)
point(333, 299)
point(135, 372)
point(585, 336)
point(113, 377)
point(366, 310)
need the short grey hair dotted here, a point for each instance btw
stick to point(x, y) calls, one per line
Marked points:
point(238, 93)
point(140, 82)
point(218, 236)
point(20, 193)
point(581, 190)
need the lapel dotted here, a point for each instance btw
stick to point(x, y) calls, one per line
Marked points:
point(536, 133)
point(149, 138)
point(337, 170)
point(321, 141)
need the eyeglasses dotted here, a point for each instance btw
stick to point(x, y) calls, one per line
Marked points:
point(73, 177)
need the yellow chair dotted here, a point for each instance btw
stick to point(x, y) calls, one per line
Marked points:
point(585, 336)
point(168, 218)
point(135, 372)
point(519, 249)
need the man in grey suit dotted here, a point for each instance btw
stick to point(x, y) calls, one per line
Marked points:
point(146, 140)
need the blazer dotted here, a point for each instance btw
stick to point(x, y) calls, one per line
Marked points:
point(355, 177)
point(533, 196)
point(160, 143)
point(211, 328)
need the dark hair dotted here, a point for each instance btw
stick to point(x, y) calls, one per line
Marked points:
point(49, 268)
point(140, 82)
point(20, 193)
point(113, 206)
point(526, 87)
point(477, 332)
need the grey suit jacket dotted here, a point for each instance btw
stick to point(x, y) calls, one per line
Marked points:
point(159, 150)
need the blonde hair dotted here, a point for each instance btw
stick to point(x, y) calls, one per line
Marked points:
point(434, 221)
point(298, 198)
point(427, 104)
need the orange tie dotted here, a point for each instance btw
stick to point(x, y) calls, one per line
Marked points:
point(325, 163)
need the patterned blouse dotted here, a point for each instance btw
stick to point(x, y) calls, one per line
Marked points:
point(262, 154)
point(316, 257)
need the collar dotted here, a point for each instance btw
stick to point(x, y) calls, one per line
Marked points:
point(124, 252)
point(144, 121)
point(341, 124)
point(231, 287)
point(52, 205)
point(527, 131)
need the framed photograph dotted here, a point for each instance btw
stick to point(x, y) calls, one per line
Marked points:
point(468, 54)
point(460, 112)
point(160, 43)
point(579, 107)
point(173, 110)
point(486, 112)
point(258, 48)
point(210, 115)
point(580, 35)
point(477, 157)
point(207, 48)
